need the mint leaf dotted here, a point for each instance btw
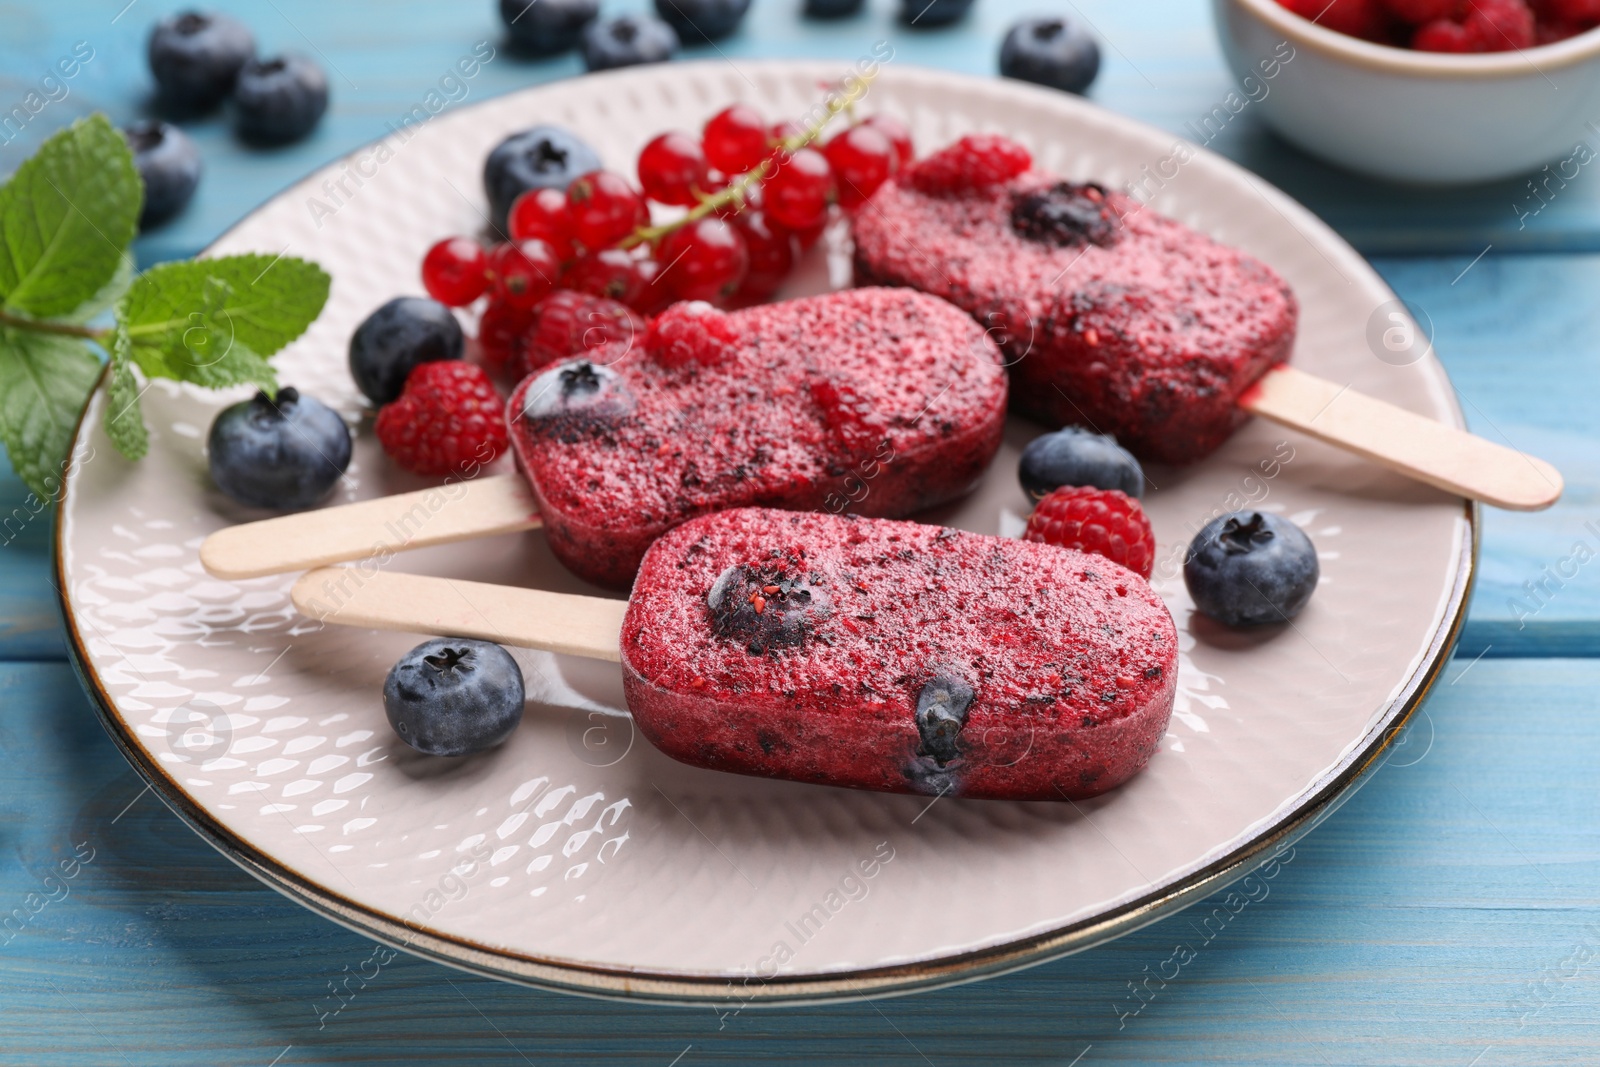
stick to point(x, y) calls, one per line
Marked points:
point(108, 295)
point(44, 381)
point(66, 217)
point(214, 322)
point(124, 418)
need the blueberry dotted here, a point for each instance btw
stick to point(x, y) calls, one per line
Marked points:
point(546, 27)
point(453, 697)
point(941, 713)
point(169, 166)
point(279, 100)
point(932, 13)
point(395, 339)
point(574, 399)
point(1251, 567)
point(1066, 214)
point(764, 609)
point(1051, 51)
point(545, 157)
point(831, 9)
point(702, 20)
point(196, 56)
point(627, 42)
point(285, 453)
point(1075, 456)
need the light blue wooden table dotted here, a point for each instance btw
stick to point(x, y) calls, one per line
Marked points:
point(1448, 914)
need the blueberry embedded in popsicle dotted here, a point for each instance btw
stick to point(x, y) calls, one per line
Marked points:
point(1066, 214)
point(575, 399)
point(766, 609)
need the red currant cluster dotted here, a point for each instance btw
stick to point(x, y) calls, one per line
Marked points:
point(757, 195)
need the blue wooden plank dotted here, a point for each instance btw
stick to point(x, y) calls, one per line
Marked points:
point(1449, 907)
point(1161, 65)
point(1522, 344)
point(30, 622)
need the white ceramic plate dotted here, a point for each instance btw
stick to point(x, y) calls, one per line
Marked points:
point(577, 857)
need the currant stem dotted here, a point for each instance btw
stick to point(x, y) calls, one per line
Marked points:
point(64, 329)
point(737, 191)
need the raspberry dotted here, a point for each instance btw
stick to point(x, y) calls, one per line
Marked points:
point(570, 324)
point(1417, 12)
point(1499, 25)
point(1441, 35)
point(851, 415)
point(974, 162)
point(1356, 18)
point(1546, 32)
point(1489, 26)
point(1106, 522)
point(1582, 11)
point(449, 420)
point(691, 332)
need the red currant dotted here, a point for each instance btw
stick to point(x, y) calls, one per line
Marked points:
point(542, 213)
point(673, 169)
point(772, 256)
point(862, 159)
point(804, 238)
point(502, 334)
point(654, 296)
point(610, 272)
point(604, 209)
point(705, 260)
point(899, 135)
point(454, 271)
point(797, 193)
point(524, 272)
point(735, 139)
point(781, 132)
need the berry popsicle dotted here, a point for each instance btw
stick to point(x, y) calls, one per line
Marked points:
point(778, 405)
point(1118, 319)
point(865, 653)
point(877, 401)
point(1111, 315)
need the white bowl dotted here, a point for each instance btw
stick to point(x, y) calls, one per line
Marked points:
point(1420, 117)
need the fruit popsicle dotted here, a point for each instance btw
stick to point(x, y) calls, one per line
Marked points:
point(835, 650)
point(1110, 315)
point(898, 657)
point(880, 401)
point(877, 401)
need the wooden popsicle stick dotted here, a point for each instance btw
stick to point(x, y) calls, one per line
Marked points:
point(372, 528)
point(1401, 440)
point(585, 626)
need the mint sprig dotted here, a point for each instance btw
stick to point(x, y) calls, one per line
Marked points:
point(67, 217)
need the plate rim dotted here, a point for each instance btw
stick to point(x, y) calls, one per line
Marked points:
point(627, 984)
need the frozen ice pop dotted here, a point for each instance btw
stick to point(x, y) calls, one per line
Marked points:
point(877, 401)
point(1110, 315)
point(880, 401)
point(1114, 317)
point(866, 653)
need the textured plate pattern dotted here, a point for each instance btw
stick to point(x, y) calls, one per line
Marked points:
point(576, 849)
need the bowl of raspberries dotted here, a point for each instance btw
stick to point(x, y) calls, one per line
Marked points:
point(1421, 91)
